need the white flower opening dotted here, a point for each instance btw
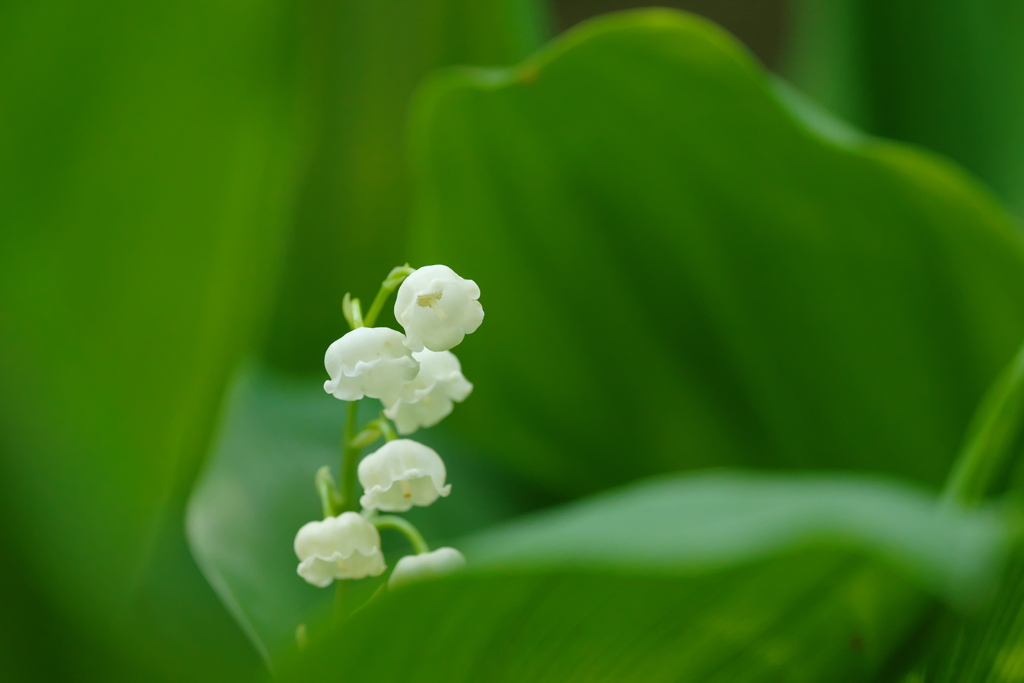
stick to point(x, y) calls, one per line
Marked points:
point(342, 547)
point(430, 397)
point(400, 474)
point(369, 361)
point(437, 308)
point(412, 568)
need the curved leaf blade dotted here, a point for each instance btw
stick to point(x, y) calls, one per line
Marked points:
point(148, 158)
point(604, 591)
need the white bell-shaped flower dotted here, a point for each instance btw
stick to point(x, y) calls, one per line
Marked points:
point(369, 361)
point(342, 547)
point(412, 568)
point(400, 474)
point(429, 398)
point(437, 308)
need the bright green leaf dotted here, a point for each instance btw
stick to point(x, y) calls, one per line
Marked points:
point(694, 522)
point(680, 271)
point(720, 577)
point(986, 462)
point(147, 151)
point(987, 647)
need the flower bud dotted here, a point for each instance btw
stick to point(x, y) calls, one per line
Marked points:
point(400, 474)
point(429, 398)
point(437, 308)
point(342, 547)
point(369, 361)
point(412, 568)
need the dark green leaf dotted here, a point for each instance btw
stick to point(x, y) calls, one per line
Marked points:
point(945, 75)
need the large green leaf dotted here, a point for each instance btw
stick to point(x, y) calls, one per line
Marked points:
point(948, 75)
point(147, 155)
point(720, 577)
point(682, 269)
point(258, 490)
point(367, 57)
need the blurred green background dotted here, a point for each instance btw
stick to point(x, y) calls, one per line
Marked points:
point(696, 251)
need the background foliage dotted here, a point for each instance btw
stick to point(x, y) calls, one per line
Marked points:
point(686, 264)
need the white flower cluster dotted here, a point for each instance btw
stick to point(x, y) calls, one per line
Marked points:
point(418, 379)
point(399, 475)
point(414, 375)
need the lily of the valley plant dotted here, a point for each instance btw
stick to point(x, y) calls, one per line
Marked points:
point(418, 380)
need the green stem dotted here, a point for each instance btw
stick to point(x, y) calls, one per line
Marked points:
point(991, 438)
point(376, 306)
point(390, 284)
point(350, 461)
point(419, 545)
